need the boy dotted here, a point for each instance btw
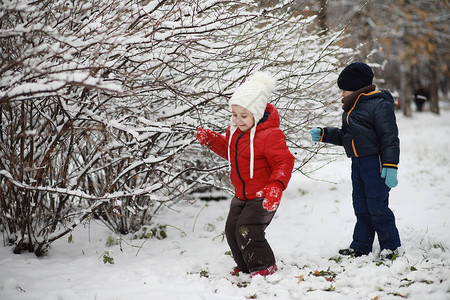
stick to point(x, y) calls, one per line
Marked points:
point(369, 135)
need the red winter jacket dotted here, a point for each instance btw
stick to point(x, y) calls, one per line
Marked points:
point(273, 161)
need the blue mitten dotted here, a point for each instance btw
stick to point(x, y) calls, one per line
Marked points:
point(391, 176)
point(316, 134)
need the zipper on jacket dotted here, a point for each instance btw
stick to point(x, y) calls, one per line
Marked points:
point(237, 165)
point(348, 116)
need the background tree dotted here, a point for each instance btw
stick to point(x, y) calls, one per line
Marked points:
point(405, 41)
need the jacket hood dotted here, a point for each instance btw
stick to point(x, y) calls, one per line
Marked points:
point(387, 95)
point(271, 118)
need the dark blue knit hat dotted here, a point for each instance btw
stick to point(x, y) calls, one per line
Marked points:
point(355, 76)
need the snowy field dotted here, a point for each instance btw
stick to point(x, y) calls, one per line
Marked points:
point(314, 221)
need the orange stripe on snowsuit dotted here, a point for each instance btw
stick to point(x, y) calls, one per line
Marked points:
point(322, 133)
point(390, 165)
point(354, 149)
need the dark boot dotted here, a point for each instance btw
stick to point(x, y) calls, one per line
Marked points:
point(352, 252)
point(388, 254)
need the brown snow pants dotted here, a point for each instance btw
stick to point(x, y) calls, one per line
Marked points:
point(244, 229)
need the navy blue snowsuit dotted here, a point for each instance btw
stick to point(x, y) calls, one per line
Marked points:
point(369, 135)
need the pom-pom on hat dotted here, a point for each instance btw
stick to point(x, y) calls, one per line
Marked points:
point(355, 76)
point(252, 95)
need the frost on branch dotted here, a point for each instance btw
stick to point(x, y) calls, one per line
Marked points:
point(99, 102)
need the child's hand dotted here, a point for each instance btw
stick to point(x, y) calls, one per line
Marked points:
point(272, 195)
point(316, 134)
point(205, 136)
point(391, 176)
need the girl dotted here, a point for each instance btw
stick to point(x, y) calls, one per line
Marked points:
point(261, 166)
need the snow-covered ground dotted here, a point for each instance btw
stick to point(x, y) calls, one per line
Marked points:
point(314, 220)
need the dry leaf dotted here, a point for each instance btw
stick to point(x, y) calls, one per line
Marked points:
point(300, 279)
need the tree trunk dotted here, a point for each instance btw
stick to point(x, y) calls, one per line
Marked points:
point(405, 90)
point(434, 86)
point(322, 17)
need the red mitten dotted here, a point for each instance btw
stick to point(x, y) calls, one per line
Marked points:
point(272, 195)
point(205, 136)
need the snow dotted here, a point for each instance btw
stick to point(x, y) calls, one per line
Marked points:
point(314, 220)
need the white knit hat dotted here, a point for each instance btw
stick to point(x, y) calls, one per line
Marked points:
point(252, 95)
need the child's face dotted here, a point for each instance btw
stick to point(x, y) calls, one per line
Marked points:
point(346, 93)
point(242, 118)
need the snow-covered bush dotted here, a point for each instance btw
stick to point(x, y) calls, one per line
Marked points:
point(100, 100)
